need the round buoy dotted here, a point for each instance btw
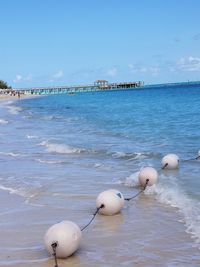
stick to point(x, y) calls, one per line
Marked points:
point(119, 194)
point(112, 201)
point(170, 162)
point(66, 235)
point(148, 176)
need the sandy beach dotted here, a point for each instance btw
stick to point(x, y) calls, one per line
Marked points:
point(120, 239)
point(12, 97)
point(58, 153)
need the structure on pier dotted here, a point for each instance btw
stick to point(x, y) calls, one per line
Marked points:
point(101, 83)
point(98, 85)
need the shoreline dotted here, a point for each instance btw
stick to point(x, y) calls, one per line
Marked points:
point(11, 97)
point(46, 179)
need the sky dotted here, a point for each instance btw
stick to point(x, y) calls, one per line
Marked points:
point(72, 42)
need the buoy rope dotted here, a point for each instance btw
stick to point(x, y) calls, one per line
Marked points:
point(198, 157)
point(54, 246)
point(163, 167)
point(140, 192)
point(94, 215)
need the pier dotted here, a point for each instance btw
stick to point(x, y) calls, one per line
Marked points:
point(99, 85)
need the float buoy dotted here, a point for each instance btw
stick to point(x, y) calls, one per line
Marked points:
point(112, 201)
point(170, 162)
point(66, 236)
point(119, 194)
point(148, 176)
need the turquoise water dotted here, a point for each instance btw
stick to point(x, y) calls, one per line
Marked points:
point(62, 150)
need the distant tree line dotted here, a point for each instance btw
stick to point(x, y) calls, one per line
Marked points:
point(4, 85)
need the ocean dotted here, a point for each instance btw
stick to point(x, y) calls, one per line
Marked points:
point(58, 152)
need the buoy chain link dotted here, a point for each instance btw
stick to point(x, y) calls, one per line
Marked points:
point(54, 246)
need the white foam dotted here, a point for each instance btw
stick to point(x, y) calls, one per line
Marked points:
point(31, 136)
point(51, 161)
point(13, 109)
point(131, 180)
point(61, 148)
point(97, 165)
point(11, 154)
point(10, 190)
point(119, 154)
point(3, 121)
point(129, 155)
point(172, 195)
point(23, 190)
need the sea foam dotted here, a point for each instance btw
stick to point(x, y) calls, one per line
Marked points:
point(13, 109)
point(171, 194)
point(62, 148)
point(11, 154)
point(3, 121)
point(131, 180)
point(31, 136)
point(168, 192)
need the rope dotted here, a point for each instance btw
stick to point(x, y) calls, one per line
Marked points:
point(54, 246)
point(140, 192)
point(163, 167)
point(198, 157)
point(94, 215)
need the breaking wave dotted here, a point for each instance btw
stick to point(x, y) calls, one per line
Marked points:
point(3, 121)
point(168, 192)
point(31, 136)
point(130, 181)
point(13, 109)
point(177, 198)
point(129, 155)
point(11, 154)
point(62, 148)
point(51, 161)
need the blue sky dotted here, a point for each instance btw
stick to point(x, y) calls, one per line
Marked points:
point(65, 42)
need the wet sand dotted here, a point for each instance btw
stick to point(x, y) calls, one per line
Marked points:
point(144, 234)
point(37, 194)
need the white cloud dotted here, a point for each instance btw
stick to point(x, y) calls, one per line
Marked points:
point(18, 78)
point(139, 68)
point(28, 78)
point(58, 74)
point(112, 72)
point(189, 64)
point(154, 70)
point(134, 68)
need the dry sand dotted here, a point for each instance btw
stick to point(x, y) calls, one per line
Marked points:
point(9, 97)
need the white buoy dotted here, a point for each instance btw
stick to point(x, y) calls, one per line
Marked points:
point(170, 162)
point(148, 176)
point(198, 153)
point(119, 194)
point(111, 200)
point(67, 235)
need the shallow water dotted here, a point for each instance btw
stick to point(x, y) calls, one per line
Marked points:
point(58, 152)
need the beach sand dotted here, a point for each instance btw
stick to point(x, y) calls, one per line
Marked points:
point(9, 97)
point(135, 237)
point(36, 192)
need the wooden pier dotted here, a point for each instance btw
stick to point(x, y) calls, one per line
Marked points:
point(99, 85)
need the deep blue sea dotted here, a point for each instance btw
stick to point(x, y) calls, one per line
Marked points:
point(58, 152)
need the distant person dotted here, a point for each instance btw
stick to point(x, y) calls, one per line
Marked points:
point(18, 93)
